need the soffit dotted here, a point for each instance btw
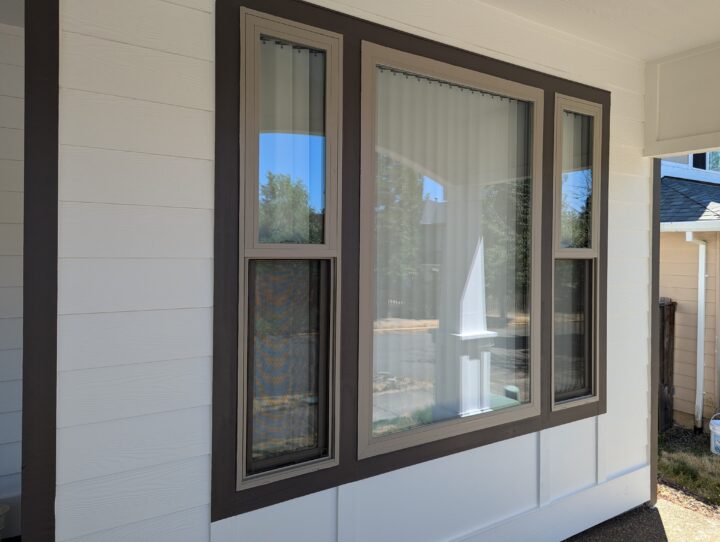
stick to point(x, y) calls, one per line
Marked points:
point(642, 29)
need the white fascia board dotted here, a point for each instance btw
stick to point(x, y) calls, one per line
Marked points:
point(697, 225)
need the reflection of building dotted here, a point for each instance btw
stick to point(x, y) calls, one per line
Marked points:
point(475, 340)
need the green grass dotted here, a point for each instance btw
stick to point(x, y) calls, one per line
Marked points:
point(685, 462)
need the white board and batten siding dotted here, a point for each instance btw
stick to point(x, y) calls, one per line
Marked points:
point(135, 294)
point(12, 74)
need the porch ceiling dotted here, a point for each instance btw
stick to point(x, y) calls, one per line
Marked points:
point(643, 29)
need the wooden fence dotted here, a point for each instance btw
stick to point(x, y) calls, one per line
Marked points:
point(667, 359)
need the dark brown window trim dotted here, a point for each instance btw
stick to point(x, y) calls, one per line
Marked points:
point(655, 330)
point(40, 251)
point(226, 501)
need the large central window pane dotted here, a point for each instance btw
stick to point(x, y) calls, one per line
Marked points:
point(452, 252)
point(291, 195)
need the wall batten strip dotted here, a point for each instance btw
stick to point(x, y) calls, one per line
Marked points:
point(40, 269)
point(655, 329)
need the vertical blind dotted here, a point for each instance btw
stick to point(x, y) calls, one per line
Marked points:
point(451, 250)
point(293, 88)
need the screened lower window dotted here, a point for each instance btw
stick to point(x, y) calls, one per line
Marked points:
point(450, 257)
point(574, 316)
point(288, 353)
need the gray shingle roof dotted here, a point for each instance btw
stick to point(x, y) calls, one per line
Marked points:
point(682, 200)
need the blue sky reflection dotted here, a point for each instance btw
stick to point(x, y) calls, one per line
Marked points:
point(301, 156)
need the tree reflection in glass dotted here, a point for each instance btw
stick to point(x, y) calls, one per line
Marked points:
point(577, 181)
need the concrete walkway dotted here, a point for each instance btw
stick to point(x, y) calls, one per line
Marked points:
point(676, 518)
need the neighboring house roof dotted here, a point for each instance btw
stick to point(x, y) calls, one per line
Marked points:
point(682, 200)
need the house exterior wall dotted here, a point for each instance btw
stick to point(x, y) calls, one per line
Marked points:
point(678, 281)
point(12, 52)
point(135, 287)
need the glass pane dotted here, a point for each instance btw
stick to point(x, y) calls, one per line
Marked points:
point(573, 328)
point(577, 180)
point(451, 253)
point(713, 161)
point(288, 322)
point(292, 143)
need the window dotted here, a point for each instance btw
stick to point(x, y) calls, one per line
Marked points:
point(578, 136)
point(699, 161)
point(713, 161)
point(473, 302)
point(709, 161)
point(289, 297)
point(449, 262)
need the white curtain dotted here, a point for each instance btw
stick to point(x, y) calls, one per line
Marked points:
point(476, 147)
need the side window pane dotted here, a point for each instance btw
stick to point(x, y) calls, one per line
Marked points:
point(573, 338)
point(452, 251)
point(713, 161)
point(288, 346)
point(577, 181)
point(292, 143)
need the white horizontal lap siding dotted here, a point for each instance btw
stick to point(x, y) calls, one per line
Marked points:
point(135, 270)
point(550, 485)
point(12, 109)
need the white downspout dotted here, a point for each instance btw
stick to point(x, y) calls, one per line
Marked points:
point(700, 339)
point(717, 330)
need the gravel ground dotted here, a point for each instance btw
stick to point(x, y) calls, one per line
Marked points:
point(677, 517)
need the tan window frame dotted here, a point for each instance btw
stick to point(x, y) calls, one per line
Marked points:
point(594, 110)
point(253, 25)
point(372, 56)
